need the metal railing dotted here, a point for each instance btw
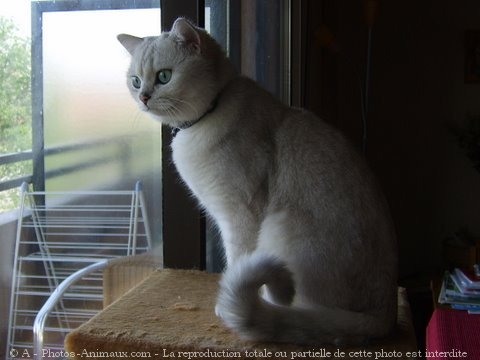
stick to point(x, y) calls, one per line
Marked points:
point(12, 159)
point(122, 155)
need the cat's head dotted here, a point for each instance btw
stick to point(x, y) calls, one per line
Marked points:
point(176, 76)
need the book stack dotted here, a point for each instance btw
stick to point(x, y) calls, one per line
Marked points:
point(461, 290)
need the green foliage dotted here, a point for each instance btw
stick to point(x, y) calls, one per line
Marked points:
point(15, 94)
point(15, 103)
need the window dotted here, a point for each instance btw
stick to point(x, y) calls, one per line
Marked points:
point(82, 116)
point(84, 122)
point(88, 133)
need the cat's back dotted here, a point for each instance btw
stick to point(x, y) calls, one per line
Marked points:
point(305, 142)
point(319, 169)
point(296, 130)
point(310, 159)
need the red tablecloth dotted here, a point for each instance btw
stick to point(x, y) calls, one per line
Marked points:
point(453, 334)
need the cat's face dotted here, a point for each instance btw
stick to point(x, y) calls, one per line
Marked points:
point(173, 76)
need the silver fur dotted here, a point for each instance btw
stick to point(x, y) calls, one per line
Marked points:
point(300, 214)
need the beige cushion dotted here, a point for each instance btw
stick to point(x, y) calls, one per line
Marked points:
point(172, 312)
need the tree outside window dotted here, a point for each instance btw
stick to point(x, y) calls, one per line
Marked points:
point(15, 105)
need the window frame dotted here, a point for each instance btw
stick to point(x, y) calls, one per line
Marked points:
point(183, 223)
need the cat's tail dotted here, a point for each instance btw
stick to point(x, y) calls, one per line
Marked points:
point(245, 311)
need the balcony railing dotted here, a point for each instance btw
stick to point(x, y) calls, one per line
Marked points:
point(117, 150)
point(12, 159)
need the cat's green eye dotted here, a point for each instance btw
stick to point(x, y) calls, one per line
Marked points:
point(136, 82)
point(164, 76)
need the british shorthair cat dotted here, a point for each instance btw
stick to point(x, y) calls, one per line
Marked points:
point(309, 242)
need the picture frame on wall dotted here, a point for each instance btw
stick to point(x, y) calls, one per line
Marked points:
point(472, 56)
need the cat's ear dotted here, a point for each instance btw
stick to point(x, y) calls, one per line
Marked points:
point(129, 42)
point(185, 33)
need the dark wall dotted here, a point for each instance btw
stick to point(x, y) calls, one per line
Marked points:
point(417, 90)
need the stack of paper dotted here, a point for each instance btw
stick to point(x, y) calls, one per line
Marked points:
point(461, 290)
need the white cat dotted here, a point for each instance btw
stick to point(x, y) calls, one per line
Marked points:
point(299, 212)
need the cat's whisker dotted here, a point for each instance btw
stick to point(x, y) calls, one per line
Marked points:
point(166, 106)
point(172, 111)
point(136, 119)
point(197, 114)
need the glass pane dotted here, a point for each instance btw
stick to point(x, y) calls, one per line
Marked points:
point(88, 113)
point(256, 37)
point(95, 136)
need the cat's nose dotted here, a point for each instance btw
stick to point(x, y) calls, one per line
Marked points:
point(144, 98)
